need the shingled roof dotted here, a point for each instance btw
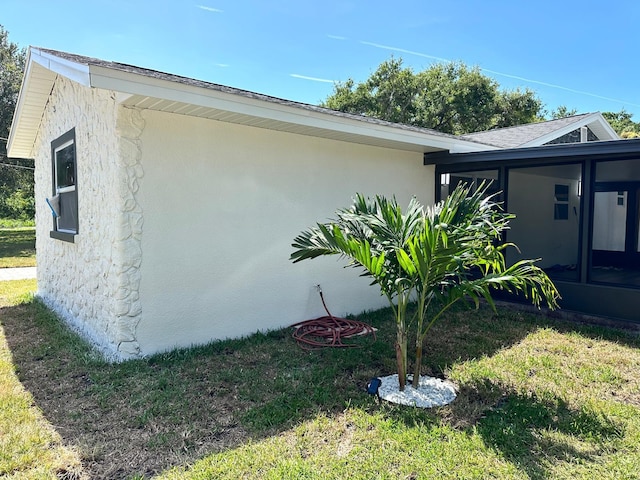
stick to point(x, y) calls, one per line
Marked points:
point(150, 89)
point(536, 134)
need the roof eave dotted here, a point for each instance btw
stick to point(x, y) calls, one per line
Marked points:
point(606, 126)
point(564, 152)
point(137, 86)
point(132, 86)
point(77, 72)
point(40, 73)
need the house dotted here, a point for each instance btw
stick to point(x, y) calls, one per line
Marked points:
point(178, 199)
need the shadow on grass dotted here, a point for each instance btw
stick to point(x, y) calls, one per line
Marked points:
point(535, 433)
point(142, 417)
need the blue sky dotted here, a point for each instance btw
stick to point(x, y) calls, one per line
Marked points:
point(581, 54)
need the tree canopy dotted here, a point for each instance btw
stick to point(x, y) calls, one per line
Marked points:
point(622, 123)
point(12, 62)
point(563, 111)
point(448, 97)
point(16, 175)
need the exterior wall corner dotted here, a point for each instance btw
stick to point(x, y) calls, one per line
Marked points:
point(127, 258)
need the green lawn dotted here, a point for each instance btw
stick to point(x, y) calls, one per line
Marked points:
point(17, 247)
point(537, 399)
point(29, 445)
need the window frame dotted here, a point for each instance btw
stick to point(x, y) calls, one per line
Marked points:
point(66, 232)
point(561, 202)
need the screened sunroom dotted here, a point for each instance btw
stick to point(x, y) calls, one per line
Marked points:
point(577, 208)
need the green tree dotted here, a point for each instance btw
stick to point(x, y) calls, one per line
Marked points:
point(435, 257)
point(455, 99)
point(448, 97)
point(562, 112)
point(623, 124)
point(517, 107)
point(16, 175)
point(388, 94)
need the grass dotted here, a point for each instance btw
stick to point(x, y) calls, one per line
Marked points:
point(537, 399)
point(16, 223)
point(29, 445)
point(17, 247)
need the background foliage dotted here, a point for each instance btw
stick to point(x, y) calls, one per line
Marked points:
point(622, 124)
point(448, 97)
point(451, 98)
point(16, 175)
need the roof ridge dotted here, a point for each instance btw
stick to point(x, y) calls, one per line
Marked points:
point(501, 129)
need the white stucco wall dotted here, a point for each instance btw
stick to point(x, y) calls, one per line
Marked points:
point(222, 204)
point(93, 282)
point(186, 224)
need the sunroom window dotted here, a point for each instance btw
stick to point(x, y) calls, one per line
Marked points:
point(615, 238)
point(546, 201)
point(473, 179)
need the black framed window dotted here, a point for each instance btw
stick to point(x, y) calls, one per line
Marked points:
point(65, 191)
point(473, 179)
point(561, 205)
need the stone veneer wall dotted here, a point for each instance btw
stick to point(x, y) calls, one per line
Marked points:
point(127, 258)
point(93, 283)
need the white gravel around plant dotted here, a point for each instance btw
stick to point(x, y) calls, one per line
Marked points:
point(432, 392)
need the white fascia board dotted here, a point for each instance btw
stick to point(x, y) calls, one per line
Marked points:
point(133, 84)
point(74, 71)
point(17, 113)
point(469, 147)
point(606, 126)
point(40, 72)
point(560, 132)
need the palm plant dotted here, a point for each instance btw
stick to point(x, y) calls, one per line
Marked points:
point(457, 253)
point(435, 257)
point(368, 234)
